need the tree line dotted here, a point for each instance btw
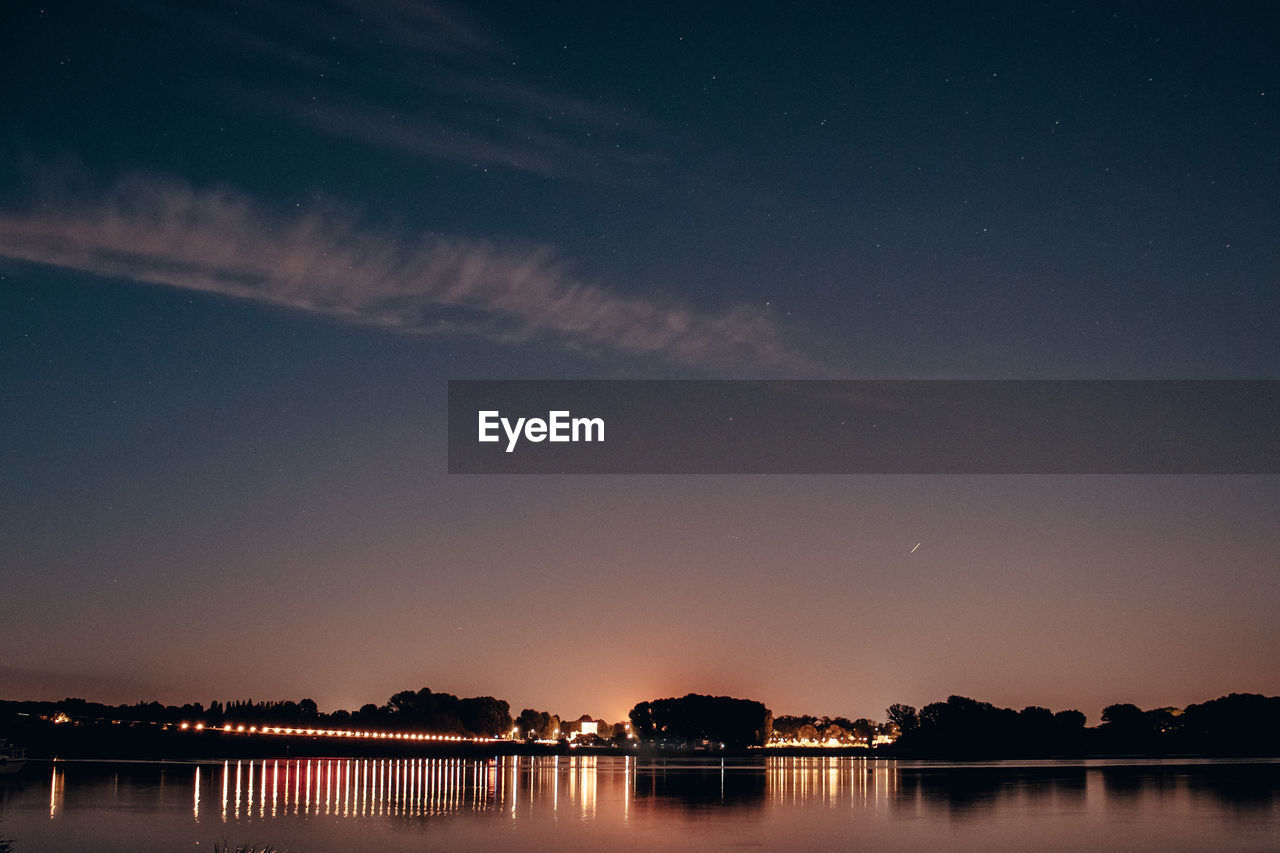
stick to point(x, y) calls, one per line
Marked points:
point(420, 710)
point(959, 727)
point(838, 730)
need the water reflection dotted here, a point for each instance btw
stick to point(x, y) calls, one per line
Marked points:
point(976, 790)
point(831, 781)
point(55, 789)
point(352, 787)
point(1240, 786)
point(580, 786)
point(1145, 805)
point(517, 786)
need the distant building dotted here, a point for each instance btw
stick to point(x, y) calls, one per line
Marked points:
point(582, 727)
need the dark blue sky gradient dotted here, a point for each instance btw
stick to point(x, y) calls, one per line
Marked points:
point(243, 247)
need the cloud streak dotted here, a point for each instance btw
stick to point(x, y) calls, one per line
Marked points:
point(324, 260)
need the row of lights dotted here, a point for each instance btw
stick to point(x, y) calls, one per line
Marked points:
point(279, 730)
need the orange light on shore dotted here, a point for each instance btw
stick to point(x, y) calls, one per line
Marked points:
point(342, 733)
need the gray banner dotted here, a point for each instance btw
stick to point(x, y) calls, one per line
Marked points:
point(864, 427)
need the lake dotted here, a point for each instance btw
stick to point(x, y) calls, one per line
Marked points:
point(620, 803)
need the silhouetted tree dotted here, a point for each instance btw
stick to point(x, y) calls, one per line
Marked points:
point(1069, 720)
point(863, 730)
point(966, 728)
point(1235, 724)
point(1124, 716)
point(904, 717)
point(537, 724)
point(787, 727)
point(485, 715)
point(694, 718)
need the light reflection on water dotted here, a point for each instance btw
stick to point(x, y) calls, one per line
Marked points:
point(349, 787)
point(588, 802)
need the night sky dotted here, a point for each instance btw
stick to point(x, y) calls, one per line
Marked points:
point(243, 247)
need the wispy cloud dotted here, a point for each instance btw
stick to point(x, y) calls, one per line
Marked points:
point(324, 259)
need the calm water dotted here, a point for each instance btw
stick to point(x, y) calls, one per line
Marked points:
point(615, 803)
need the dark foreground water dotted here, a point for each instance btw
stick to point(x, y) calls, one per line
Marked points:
point(619, 803)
